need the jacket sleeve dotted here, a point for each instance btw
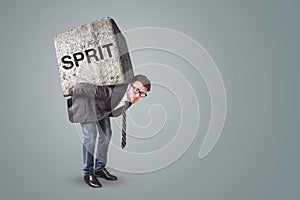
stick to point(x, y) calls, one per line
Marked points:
point(89, 90)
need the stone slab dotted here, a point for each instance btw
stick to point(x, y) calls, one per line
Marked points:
point(94, 53)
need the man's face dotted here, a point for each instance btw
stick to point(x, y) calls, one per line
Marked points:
point(137, 86)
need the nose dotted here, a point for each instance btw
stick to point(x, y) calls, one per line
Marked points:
point(136, 97)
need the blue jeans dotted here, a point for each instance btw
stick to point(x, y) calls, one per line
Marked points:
point(89, 130)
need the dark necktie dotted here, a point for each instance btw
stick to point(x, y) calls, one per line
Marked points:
point(123, 143)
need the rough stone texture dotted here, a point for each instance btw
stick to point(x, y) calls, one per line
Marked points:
point(111, 70)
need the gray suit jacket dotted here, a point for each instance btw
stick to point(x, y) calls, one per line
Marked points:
point(90, 103)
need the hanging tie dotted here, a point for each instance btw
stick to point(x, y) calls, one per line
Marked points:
point(123, 143)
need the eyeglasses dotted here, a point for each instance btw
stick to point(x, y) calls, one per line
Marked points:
point(137, 91)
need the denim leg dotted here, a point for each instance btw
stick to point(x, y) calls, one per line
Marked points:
point(105, 132)
point(89, 139)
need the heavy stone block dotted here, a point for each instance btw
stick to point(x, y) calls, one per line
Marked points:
point(93, 53)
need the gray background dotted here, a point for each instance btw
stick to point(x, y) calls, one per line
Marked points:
point(256, 47)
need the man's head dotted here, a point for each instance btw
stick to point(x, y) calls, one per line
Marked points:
point(138, 88)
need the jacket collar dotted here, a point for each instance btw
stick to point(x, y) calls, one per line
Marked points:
point(117, 94)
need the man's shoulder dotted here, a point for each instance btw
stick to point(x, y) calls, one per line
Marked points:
point(91, 85)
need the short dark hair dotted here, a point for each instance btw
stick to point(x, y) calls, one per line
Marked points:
point(143, 79)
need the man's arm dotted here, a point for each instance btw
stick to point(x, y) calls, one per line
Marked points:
point(87, 89)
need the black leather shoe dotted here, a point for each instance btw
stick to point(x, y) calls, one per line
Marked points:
point(92, 181)
point(106, 175)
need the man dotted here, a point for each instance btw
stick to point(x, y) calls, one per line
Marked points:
point(91, 106)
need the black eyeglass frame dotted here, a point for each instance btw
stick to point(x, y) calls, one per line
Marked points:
point(137, 91)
